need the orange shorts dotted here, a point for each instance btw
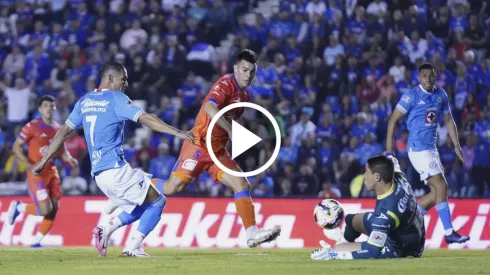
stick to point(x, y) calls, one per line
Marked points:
point(46, 186)
point(194, 159)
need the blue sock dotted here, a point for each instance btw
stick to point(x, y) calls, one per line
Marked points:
point(129, 218)
point(445, 215)
point(422, 210)
point(151, 215)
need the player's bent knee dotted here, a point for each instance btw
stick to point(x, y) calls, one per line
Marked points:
point(350, 234)
point(45, 208)
point(236, 184)
point(174, 185)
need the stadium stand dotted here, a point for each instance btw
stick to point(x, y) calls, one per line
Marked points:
point(330, 71)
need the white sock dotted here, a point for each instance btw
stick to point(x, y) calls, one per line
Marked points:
point(135, 241)
point(250, 231)
point(111, 226)
point(448, 232)
point(21, 207)
point(38, 238)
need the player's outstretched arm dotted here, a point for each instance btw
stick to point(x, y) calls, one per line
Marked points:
point(18, 150)
point(453, 133)
point(392, 124)
point(156, 124)
point(211, 109)
point(58, 141)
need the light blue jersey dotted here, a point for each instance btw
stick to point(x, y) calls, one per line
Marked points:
point(423, 110)
point(102, 115)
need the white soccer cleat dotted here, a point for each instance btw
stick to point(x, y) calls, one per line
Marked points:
point(263, 236)
point(110, 207)
point(138, 253)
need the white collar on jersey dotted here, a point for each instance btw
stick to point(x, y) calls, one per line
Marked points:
point(103, 90)
point(423, 90)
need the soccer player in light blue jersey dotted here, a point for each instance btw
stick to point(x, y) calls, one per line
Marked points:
point(423, 105)
point(102, 114)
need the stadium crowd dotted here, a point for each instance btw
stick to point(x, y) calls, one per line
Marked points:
point(330, 71)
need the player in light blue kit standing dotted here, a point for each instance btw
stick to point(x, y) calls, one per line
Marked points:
point(424, 105)
point(102, 114)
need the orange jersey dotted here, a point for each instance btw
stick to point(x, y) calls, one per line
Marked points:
point(38, 135)
point(224, 92)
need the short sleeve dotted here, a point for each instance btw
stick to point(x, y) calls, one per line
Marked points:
point(26, 133)
point(219, 93)
point(75, 119)
point(445, 104)
point(405, 103)
point(125, 108)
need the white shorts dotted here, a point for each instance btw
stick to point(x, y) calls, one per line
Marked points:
point(427, 163)
point(125, 186)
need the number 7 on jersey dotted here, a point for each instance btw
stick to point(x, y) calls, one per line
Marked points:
point(91, 120)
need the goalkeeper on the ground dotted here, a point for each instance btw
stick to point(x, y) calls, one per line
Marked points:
point(395, 228)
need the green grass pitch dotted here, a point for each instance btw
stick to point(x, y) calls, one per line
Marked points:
point(85, 261)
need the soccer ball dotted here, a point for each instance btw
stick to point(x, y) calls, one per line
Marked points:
point(328, 214)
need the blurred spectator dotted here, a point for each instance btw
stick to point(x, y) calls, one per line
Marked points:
point(329, 192)
point(18, 96)
point(302, 129)
point(74, 185)
point(161, 166)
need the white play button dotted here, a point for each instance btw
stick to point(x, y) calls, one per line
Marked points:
point(241, 139)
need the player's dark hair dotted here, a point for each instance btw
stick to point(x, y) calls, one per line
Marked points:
point(111, 65)
point(247, 55)
point(47, 98)
point(383, 166)
point(426, 66)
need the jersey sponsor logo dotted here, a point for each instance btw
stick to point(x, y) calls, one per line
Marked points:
point(43, 150)
point(381, 225)
point(90, 105)
point(377, 238)
point(189, 164)
point(402, 205)
point(41, 194)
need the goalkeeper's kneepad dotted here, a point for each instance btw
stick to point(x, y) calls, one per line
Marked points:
point(350, 234)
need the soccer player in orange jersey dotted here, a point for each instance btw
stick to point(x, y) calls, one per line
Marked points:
point(45, 189)
point(195, 158)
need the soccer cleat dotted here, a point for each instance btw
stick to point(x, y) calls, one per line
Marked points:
point(101, 241)
point(13, 212)
point(263, 236)
point(110, 207)
point(455, 237)
point(138, 253)
point(36, 245)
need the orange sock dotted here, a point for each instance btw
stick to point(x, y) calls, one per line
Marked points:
point(246, 210)
point(45, 226)
point(31, 209)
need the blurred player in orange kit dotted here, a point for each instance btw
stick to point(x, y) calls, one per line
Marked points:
point(45, 188)
point(195, 158)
